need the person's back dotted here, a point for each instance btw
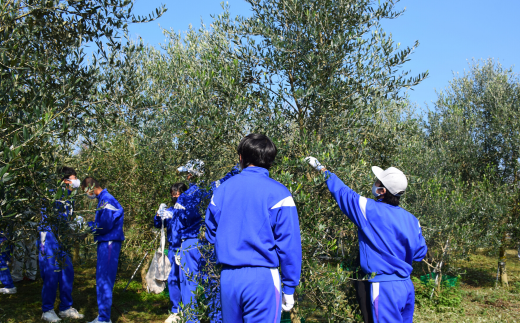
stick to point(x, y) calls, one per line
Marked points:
point(390, 239)
point(396, 238)
point(191, 261)
point(249, 223)
point(188, 205)
point(253, 222)
point(108, 233)
point(108, 224)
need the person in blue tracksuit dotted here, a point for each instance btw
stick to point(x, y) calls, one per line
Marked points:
point(192, 263)
point(5, 275)
point(55, 264)
point(253, 222)
point(173, 226)
point(108, 233)
point(390, 239)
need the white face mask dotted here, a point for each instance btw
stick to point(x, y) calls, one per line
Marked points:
point(75, 183)
point(374, 190)
point(93, 196)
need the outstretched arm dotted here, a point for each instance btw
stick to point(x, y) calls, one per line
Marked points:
point(351, 203)
point(234, 171)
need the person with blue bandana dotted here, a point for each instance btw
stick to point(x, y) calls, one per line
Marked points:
point(55, 263)
point(5, 274)
point(390, 239)
point(191, 261)
point(108, 233)
point(170, 219)
point(253, 222)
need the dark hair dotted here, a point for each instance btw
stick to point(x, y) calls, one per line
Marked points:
point(390, 198)
point(258, 150)
point(66, 172)
point(178, 187)
point(89, 182)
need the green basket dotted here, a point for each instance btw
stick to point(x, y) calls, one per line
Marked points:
point(450, 281)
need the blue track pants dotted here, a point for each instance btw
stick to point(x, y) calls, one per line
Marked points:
point(250, 295)
point(56, 271)
point(106, 270)
point(393, 301)
point(174, 287)
point(191, 265)
point(5, 274)
point(191, 272)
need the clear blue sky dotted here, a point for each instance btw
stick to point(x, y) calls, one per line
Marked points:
point(451, 33)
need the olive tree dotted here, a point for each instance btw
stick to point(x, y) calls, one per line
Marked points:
point(317, 77)
point(476, 125)
point(46, 92)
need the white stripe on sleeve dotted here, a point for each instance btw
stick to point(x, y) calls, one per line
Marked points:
point(110, 207)
point(288, 201)
point(363, 205)
point(179, 207)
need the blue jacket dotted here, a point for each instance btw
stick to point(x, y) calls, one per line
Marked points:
point(173, 226)
point(188, 206)
point(108, 225)
point(64, 208)
point(4, 248)
point(390, 238)
point(253, 222)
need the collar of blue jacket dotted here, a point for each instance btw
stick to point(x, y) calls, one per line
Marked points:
point(103, 193)
point(255, 170)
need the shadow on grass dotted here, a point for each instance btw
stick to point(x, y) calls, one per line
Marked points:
point(477, 277)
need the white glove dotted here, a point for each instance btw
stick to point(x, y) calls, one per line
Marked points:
point(167, 215)
point(314, 163)
point(195, 167)
point(178, 260)
point(162, 207)
point(75, 183)
point(287, 302)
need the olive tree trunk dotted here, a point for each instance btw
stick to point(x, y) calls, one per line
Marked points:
point(144, 270)
point(502, 262)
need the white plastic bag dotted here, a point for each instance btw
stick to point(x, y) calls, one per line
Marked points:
point(159, 268)
point(163, 263)
point(153, 285)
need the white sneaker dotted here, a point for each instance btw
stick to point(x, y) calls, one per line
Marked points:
point(172, 318)
point(71, 313)
point(50, 316)
point(8, 290)
point(98, 321)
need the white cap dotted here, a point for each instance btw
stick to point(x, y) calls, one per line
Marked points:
point(392, 178)
point(195, 167)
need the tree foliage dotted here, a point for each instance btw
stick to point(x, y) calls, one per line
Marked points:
point(46, 92)
point(320, 78)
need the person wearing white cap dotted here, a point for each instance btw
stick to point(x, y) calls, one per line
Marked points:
point(390, 239)
point(191, 261)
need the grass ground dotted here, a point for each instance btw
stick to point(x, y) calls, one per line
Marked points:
point(481, 301)
point(134, 305)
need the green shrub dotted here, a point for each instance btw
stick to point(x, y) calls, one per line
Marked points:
point(441, 300)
